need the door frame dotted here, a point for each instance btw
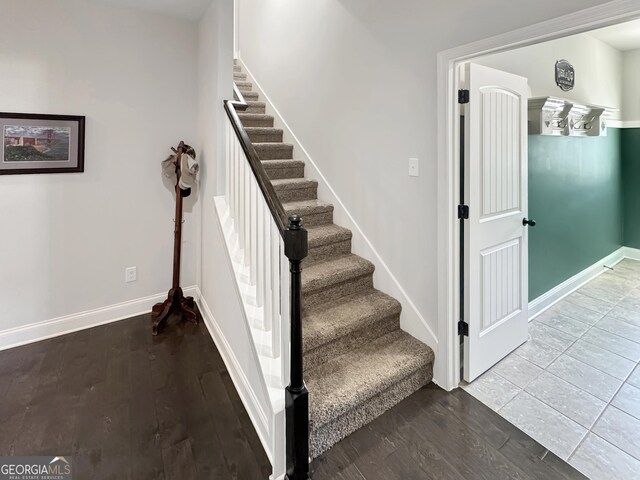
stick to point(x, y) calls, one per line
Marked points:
point(447, 368)
point(236, 29)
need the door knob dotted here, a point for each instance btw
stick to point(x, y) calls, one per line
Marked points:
point(526, 221)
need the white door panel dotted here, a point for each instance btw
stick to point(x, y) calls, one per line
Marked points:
point(496, 266)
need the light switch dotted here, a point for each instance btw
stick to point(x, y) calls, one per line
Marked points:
point(414, 170)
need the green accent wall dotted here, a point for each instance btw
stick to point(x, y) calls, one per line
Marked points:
point(630, 147)
point(575, 195)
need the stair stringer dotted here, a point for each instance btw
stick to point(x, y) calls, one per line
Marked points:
point(411, 320)
point(264, 401)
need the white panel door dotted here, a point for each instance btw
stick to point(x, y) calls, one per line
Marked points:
point(495, 238)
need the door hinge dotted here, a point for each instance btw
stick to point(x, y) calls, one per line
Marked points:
point(463, 328)
point(463, 96)
point(463, 212)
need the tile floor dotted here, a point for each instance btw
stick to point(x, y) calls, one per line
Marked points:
point(575, 385)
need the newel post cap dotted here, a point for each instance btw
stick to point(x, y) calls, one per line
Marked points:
point(296, 245)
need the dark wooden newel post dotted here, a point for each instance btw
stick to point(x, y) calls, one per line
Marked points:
point(297, 396)
point(176, 301)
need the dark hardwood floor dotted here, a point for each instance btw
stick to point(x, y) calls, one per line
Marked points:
point(127, 405)
point(435, 434)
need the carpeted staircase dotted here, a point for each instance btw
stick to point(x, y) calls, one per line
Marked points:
point(358, 363)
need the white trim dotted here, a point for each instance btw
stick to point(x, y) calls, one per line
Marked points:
point(411, 319)
point(34, 332)
point(624, 123)
point(548, 299)
point(236, 29)
point(632, 253)
point(610, 13)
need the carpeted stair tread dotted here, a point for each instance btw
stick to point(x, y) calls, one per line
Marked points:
point(256, 120)
point(327, 242)
point(272, 151)
point(280, 163)
point(264, 134)
point(277, 169)
point(307, 207)
point(237, 68)
point(351, 380)
point(253, 107)
point(244, 85)
point(292, 189)
point(263, 130)
point(325, 323)
point(250, 96)
point(327, 234)
point(293, 183)
point(335, 271)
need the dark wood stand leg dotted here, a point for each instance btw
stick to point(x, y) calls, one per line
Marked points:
point(176, 302)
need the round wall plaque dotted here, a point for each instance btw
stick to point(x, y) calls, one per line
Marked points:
point(565, 75)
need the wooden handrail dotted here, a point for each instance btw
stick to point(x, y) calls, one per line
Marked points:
point(239, 103)
point(269, 193)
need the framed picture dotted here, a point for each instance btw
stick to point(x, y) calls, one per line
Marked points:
point(34, 143)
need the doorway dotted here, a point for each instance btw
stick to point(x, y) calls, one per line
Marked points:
point(573, 384)
point(448, 364)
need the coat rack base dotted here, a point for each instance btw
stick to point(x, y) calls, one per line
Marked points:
point(176, 302)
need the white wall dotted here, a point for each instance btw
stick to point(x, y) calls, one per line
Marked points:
point(215, 84)
point(598, 67)
point(67, 238)
point(356, 82)
point(630, 90)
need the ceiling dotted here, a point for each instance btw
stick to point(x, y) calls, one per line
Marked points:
point(189, 9)
point(624, 36)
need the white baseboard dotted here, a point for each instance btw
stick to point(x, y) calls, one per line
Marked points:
point(411, 320)
point(632, 253)
point(34, 332)
point(546, 300)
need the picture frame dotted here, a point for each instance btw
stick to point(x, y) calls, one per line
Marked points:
point(33, 143)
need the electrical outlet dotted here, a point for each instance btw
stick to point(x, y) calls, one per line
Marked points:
point(413, 167)
point(130, 274)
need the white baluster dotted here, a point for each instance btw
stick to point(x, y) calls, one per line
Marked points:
point(242, 192)
point(260, 249)
point(233, 182)
point(250, 232)
point(227, 146)
point(275, 292)
point(236, 179)
point(246, 198)
point(268, 267)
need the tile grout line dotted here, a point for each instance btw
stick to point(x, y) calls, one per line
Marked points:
point(564, 351)
point(588, 430)
point(608, 404)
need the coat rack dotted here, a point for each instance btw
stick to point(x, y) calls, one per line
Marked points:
point(176, 302)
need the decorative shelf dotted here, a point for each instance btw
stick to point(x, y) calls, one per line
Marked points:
point(563, 118)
